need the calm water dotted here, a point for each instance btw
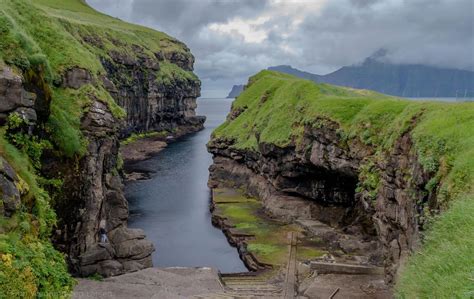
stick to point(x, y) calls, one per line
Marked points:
point(173, 207)
point(453, 100)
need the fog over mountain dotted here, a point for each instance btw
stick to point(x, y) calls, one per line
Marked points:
point(233, 39)
point(405, 80)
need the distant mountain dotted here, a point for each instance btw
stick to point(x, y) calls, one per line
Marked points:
point(236, 91)
point(409, 80)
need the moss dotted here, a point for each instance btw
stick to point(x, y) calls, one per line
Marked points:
point(270, 238)
point(169, 73)
point(138, 136)
point(443, 137)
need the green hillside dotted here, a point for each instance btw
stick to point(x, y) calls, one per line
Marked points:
point(40, 40)
point(47, 37)
point(275, 107)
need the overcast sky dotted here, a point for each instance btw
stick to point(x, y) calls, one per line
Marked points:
point(233, 39)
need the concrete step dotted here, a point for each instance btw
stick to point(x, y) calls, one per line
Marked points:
point(338, 268)
point(233, 282)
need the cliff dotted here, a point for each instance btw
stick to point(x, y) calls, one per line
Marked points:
point(366, 163)
point(405, 80)
point(236, 91)
point(72, 82)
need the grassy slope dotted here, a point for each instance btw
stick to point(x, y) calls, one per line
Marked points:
point(50, 34)
point(278, 105)
point(45, 38)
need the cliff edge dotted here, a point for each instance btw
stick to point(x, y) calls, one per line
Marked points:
point(72, 82)
point(365, 163)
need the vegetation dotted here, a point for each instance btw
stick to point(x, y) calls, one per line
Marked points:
point(444, 268)
point(41, 40)
point(30, 267)
point(137, 136)
point(276, 108)
point(52, 36)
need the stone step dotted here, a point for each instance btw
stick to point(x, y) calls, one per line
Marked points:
point(338, 268)
point(243, 281)
point(236, 295)
point(262, 288)
point(214, 296)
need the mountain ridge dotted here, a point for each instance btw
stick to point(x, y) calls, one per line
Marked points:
point(405, 80)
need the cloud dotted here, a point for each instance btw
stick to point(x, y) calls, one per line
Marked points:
point(233, 39)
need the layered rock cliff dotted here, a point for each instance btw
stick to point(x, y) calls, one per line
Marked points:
point(72, 82)
point(373, 166)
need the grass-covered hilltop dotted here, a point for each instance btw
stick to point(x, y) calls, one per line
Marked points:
point(72, 80)
point(407, 165)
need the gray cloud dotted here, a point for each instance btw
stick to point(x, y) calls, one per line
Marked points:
point(305, 35)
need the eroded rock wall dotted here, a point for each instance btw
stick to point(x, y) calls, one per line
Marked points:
point(152, 104)
point(318, 179)
point(92, 188)
point(94, 192)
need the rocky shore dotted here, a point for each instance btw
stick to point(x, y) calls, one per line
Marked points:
point(146, 147)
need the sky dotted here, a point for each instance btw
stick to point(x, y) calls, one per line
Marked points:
point(234, 39)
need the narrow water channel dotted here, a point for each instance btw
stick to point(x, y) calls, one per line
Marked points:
point(173, 206)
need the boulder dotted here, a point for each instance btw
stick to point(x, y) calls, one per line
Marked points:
point(97, 253)
point(134, 249)
point(123, 234)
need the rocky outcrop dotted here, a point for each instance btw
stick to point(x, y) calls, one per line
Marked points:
point(96, 193)
point(318, 180)
point(14, 98)
point(94, 188)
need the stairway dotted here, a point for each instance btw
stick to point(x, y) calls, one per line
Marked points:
point(245, 285)
point(252, 285)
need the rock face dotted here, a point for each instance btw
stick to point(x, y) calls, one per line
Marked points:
point(14, 98)
point(318, 181)
point(150, 103)
point(97, 190)
point(97, 194)
point(92, 187)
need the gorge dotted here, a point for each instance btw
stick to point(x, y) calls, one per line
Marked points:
point(305, 179)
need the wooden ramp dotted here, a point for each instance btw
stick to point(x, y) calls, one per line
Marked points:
point(289, 290)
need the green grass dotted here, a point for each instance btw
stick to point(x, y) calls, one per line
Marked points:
point(445, 266)
point(51, 36)
point(138, 136)
point(41, 39)
point(277, 107)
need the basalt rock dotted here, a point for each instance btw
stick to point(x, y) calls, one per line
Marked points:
point(97, 194)
point(14, 97)
point(317, 181)
point(150, 103)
